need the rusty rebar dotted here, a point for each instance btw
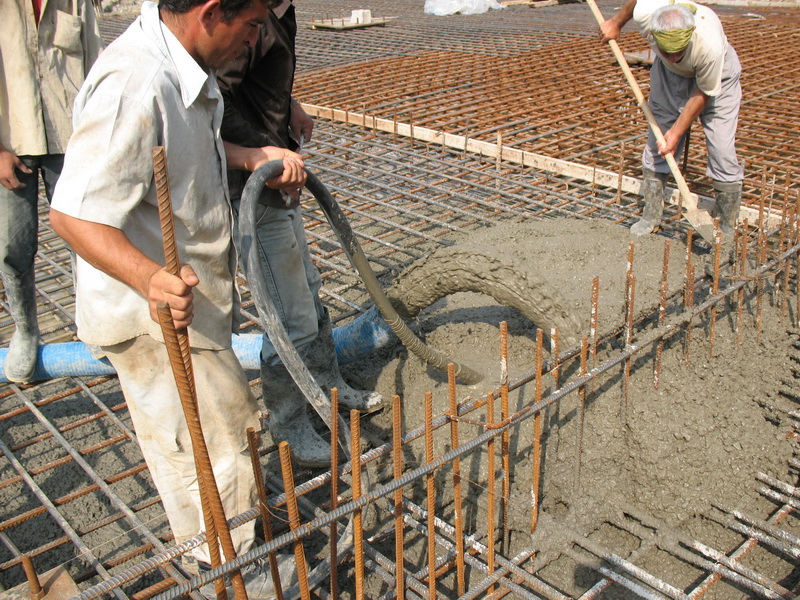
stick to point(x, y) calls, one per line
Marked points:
point(334, 532)
point(662, 312)
point(179, 352)
point(35, 590)
point(537, 434)
point(505, 437)
point(491, 499)
point(287, 474)
point(741, 268)
point(430, 493)
point(712, 326)
point(397, 462)
point(458, 509)
point(253, 444)
point(629, 322)
point(581, 412)
point(358, 516)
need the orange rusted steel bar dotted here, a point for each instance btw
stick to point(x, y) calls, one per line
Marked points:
point(662, 312)
point(287, 474)
point(358, 516)
point(334, 492)
point(491, 525)
point(35, 589)
point(458, 509)
point(254, 443)
point(581, 411)
point(537, 435)
point(399, 529)
point(179, 351)
point(505, 437)
point(430, 490)
point(714, 288)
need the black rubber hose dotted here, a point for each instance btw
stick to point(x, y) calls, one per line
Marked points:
point(277, 332)
point(358, 259)
point(266, 308)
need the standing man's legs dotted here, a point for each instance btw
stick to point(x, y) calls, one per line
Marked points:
point(226, 408)
point(668, 95)
point(720, 121)
point(19, 227)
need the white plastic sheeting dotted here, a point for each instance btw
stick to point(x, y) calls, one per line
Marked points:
point(465, 7)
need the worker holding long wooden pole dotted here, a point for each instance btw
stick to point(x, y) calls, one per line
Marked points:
point(154, 86)
point(695, 74)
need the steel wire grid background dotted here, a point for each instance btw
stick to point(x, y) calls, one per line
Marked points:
point(537, 77)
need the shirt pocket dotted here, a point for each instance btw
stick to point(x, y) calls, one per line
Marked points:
point(67, 34)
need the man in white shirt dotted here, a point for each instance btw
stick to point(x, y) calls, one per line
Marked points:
point(695, 74)
point(46, 50)
point(154, 86)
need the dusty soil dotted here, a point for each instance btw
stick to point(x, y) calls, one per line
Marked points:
point(672, 452)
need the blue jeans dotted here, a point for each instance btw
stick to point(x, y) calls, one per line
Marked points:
point(19, 216)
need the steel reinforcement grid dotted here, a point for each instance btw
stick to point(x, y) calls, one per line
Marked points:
point(78, 496)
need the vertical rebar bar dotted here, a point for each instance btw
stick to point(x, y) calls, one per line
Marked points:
point(36, 592)
point(431, 496)
point(505, 438)
point(688, 295)
point(491, 529)
point(581, 412)
point(595, 318)
point(334, 492)
point(626, 382)
point(556, 362)
point(294, 518)
point(254, 443)
point(714, 291)
point(742, 271)
point(662, 311)
point(399, 533)
point(457, 504)
point(179, 351)
point(358, 516)
point(537, 433)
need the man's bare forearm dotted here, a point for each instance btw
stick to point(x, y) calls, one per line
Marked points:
point(107, 249)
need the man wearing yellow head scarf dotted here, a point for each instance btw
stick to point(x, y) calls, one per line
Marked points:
point(695, 74)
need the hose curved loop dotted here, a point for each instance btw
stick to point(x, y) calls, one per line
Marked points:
point(360, 263)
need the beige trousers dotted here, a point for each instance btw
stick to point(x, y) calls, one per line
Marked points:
point(226, 408)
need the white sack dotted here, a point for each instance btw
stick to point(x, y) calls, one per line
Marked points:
point(442, 8)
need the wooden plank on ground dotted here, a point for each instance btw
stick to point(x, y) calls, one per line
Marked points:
point(588, 174)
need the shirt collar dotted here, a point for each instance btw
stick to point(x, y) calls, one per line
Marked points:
point(192, 77)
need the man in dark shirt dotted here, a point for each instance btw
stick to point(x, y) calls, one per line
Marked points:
point(259, 110)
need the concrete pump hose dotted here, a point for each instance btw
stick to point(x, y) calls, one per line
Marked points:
point(359, 261)
point(271, 321)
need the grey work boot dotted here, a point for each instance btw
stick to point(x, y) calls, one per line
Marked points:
point(653, 194)
point(324, 366)
point(21, 297)
point(288, 420)
point(726, 207)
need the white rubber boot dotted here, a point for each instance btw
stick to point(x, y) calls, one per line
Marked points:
point(20, 361)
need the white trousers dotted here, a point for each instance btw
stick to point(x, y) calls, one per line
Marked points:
point(226, 408)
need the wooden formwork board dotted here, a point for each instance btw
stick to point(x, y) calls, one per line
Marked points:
point(502, 153)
